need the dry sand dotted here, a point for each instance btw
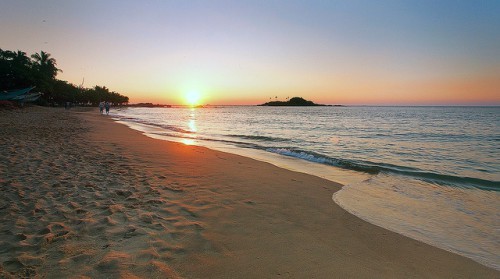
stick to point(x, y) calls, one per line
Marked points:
point(82, 196)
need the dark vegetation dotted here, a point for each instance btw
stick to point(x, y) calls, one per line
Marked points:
point(149, 105)
point(17, 71)
point(295, 101)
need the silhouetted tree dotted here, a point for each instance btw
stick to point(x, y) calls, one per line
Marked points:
point(45, 72)
point(62, 91)
point(45, 65)
point(102, 93)
point(17, 70)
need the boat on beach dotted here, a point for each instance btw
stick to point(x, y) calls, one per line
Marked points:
point(20, 95)
point(29, 97)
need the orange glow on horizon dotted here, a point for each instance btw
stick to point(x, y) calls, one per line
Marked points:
point(347, 90)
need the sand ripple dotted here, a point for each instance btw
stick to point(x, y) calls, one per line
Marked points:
point(74, 207)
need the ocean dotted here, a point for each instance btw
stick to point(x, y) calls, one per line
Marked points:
point(430, 173)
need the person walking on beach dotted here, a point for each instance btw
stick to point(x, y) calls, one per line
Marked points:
point(101, 107)
point(107, 107)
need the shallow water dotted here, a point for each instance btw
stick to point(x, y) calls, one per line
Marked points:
point(431, 173)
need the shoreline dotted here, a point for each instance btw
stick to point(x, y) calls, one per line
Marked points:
point(373, 198)
point(164, 208)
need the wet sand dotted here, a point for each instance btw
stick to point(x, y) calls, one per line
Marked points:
point(83, 196)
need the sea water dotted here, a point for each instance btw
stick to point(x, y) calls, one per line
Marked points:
point(430, 173)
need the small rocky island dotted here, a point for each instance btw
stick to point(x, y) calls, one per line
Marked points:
point(295, 101)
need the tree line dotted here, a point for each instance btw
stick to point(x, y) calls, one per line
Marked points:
point(17, 71)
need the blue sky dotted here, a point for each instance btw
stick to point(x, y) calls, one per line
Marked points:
point(353, 52)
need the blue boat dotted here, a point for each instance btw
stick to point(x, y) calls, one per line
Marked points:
point(15, 95)
point(28, 97)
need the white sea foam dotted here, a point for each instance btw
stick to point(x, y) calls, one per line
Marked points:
point(461, 220)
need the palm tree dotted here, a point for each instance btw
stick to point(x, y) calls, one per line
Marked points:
point(15, 69)
point(45, 71)
point(21, 58)
point(22, 66)
point(45, 65)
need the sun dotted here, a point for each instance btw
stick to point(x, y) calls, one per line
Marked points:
point(193, 98)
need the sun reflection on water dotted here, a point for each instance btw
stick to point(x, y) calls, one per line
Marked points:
point(192, 125)
point(188, 141)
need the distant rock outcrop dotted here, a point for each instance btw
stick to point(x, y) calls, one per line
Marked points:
point(295, 101)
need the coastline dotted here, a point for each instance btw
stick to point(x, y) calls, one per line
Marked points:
point(133, 205)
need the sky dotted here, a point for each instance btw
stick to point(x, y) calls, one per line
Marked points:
point(398, 52)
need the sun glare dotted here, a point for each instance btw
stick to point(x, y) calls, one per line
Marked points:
point(188, 141)
point(193, 98)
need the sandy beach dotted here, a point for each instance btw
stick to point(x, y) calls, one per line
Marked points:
point(85, 197)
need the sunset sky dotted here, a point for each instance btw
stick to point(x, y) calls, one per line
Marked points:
point(244, 52)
